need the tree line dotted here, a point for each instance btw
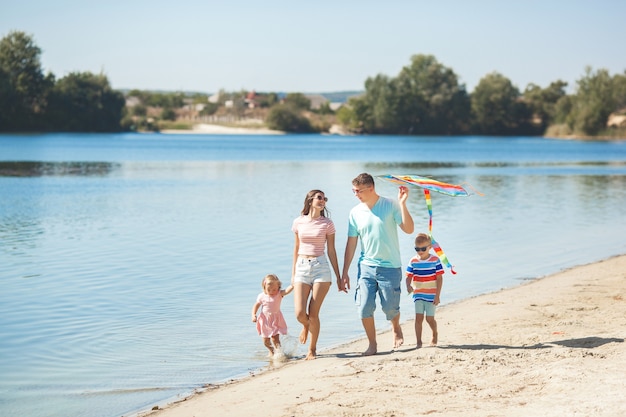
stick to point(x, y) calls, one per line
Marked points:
point(33, 102)
point(425, 98)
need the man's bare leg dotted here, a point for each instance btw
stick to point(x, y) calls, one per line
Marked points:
point(398, 337)
point(370, 332)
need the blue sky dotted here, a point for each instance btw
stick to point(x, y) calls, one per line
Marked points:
point(317, 46)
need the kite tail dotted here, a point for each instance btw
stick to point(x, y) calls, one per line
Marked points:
point(442, 256)
point(436, 247)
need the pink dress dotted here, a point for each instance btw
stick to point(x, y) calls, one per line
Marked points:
point(270, 321)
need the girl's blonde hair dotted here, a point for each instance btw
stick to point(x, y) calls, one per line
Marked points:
point(268, 279)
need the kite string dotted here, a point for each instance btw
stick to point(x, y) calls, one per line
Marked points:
point(474, 189)
point(436, 246)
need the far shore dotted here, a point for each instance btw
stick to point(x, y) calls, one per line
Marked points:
point(553, 346)
point(213, 129)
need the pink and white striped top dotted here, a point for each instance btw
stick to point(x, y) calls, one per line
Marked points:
point(312, 234)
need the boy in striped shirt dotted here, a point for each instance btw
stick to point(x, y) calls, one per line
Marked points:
point(424, 279)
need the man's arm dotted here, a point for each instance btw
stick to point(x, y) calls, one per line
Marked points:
point(407, 225)
point(347, 260)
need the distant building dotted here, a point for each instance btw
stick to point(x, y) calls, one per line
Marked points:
point(251, 100)
point(616, 120)
point(132, 101)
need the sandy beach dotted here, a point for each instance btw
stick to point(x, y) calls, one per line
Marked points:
point(213, 129)
point(553, 346)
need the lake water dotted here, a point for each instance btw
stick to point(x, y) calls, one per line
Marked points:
point(130, 263)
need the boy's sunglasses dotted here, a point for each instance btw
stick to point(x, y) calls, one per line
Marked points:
point(418, 249)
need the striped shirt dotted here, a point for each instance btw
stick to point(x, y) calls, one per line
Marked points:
point(312, 234)
point(423, 275)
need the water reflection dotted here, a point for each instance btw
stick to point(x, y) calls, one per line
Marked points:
point(41, 169)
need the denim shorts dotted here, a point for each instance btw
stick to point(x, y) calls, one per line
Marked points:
point(374, 280)
point(312, 270)
point(425, 307)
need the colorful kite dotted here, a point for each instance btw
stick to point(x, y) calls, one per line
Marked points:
point(429, 185)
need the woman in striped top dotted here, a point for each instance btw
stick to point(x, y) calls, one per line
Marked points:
point(311, 276)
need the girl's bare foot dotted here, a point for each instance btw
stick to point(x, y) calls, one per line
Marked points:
point(304, 334)
point(311, 355)
point(371, 350)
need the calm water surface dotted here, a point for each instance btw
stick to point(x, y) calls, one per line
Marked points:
point(129, 263)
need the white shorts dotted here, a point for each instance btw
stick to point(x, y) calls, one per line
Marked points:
point(312, 270)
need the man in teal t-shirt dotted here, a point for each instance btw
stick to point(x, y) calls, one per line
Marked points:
point(375, 221)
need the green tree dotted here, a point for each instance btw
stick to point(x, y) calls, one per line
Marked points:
point(431, 99)
point(378, 110)
point(619, 91)
point(297, 101)
point(425, 98)
point(563, 108)
point(168, 114)
point(284, 117)
point(139, 110)
point(209, 109)
point(543, 102)
point(496, 107)
point(593, 102)
point(23, 86)
point(84, 102)
point(267, 100)
point(346, 116)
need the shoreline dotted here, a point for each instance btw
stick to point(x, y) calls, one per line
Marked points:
point(525, 350)
point(213, 129)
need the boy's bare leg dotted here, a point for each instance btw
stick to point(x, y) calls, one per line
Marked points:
point(433, 326)
point(419, 318)
point(398, 337)
point(370, 332)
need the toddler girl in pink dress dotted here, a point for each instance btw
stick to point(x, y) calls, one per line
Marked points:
point(270, 323)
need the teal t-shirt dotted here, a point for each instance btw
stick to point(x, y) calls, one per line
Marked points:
point(378, 232)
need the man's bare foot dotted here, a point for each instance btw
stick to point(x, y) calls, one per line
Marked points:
point(371, 350)
point(434, 341)
point(304, 334)
point(311, 355)
point(419, 345)
point(398, 337)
